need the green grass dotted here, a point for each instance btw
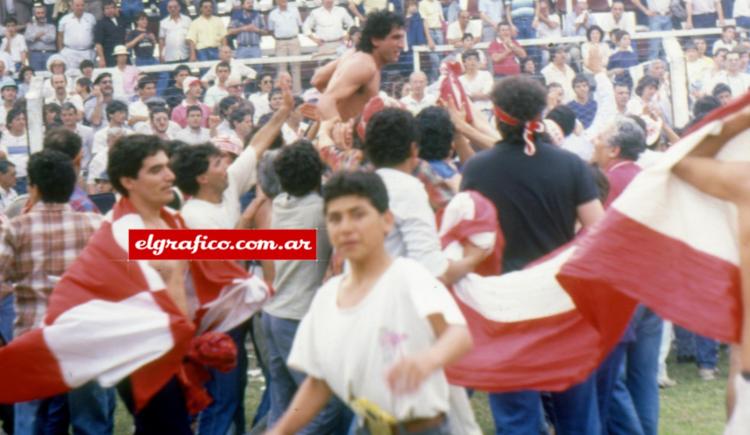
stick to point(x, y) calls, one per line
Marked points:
point(693, 407)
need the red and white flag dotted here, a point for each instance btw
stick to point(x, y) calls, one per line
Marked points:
point(110, 317)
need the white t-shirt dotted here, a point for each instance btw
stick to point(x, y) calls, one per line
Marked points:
point(481, 84)
point(174, 34)
point(190, 137)
point(454, 30)
point(415, 106)
point(17, 47)
point(17, 150)
point(203, 214)
point(387, 325)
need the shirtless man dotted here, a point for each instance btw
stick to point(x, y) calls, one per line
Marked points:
point(348, 83)
point(729, 181)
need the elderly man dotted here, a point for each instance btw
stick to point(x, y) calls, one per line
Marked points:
point(40, 39)
point(173, 32)
point(461, 27)
point(75, 35)
point(417, 99)
point(327, 26)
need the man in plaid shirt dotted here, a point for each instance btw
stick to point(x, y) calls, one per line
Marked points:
point(35, 250)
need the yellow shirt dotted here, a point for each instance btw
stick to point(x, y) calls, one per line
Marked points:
point(206, 33)
point(372, 5)
point(432, 13)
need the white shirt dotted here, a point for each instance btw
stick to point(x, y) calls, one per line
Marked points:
point(191, 137)
point(703, 6)
point(145, 128)
point(72, 99)
point(6, 198)
point(97, 166)
point(552, 74)
point(738, 83)
point(608, 24)
point(138, 108)
point(387, 325)
point(414, 234)
point(454, 30)
point(17, 47)
point(214, 94)
point(78, 34)
point(17, 150)
point(100, 139)
point(174, 33)
point(261, 104)
point(481, 84)
point(284, 24)
point(241, 177)
point(328, 25)
point(238, 70)
point(579, 146)
point(415, 106)
point(544, 31)
point(719, 44)
point(659, 6)
point(741, 8)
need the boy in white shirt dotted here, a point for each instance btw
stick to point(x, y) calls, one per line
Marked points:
point(398, 324)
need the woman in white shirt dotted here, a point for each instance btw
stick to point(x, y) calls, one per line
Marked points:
point(595, 36)
point(477, 83)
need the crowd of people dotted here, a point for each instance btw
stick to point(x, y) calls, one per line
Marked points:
point(550, 134)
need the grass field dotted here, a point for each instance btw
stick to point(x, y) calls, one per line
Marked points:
point(693, 407)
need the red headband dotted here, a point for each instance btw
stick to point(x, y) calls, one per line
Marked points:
point(529, 129)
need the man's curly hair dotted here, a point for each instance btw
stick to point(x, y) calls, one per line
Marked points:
point(389, 137)
point(436, 133)
point(521, 97)
point(299, 168)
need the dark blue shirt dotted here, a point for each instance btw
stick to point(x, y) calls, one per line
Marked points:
point(584, 112)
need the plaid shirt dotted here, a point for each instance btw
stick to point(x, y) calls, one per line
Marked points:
point(35, 250)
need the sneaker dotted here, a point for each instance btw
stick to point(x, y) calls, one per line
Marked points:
point(707, 374)
point(666, 382)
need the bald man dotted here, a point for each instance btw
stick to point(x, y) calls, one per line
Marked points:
point(417, 98)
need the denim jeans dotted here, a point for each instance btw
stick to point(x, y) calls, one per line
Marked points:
point(248, 52)
point(636, 395)
point(22, 185)
point(207, 54)
point(7, 317)
point(572, 412)
point(743, 22)
point(704, 349)
point(89, 409)
point(228, 392)
point(607, 376)
point(655, 24)
point(38, 60)
point(279, 333)
point(706, 21)
point(165, 413)
point(434, 72)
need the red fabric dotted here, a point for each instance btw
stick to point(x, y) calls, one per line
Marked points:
point(690, 287)
point(619, 176)
point(452, 90)
point(214, 349)
point(509, 65)
point(28, 370)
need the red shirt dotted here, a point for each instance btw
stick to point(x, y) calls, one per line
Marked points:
point(619, 176)
point(507, 66)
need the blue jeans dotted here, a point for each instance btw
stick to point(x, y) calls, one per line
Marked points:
point(248, 52)
point(7, 317)
point(706, 21)
point(655, 24)
point(129, 9)
point(89, 409)
point(743, 22)
point(526, 31)
point(606, 379)
point(637, 393)
point(572, 412)
point(704, 349)
point(21, 186)
point(437, 38)
point(162, 78)
point(335, 417)
point(207, 54)
point(228, 392)
point(38, 60)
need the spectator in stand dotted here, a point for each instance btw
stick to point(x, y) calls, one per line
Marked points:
point(459, 28)
point(193, 90)
point(40, 39)
point(218, 90)
point(7, 196)
point(206, 34)
point(247, 26)
point(737, 80)
point(159, 124)
point(417, 98)
point(14, 145)
point(741, 14)
point(491, 13)
point(577, 144)
point(75, 35)
point(9, 94)
point(520, 15)
point(622, 59)
point(108, 34)
point(239, 69)
point(327, 26)
point(696, 70)
point(124, 76)
point(261, 98)
point(194, 133)
point(224, 109)
point(723, 93)
point(547, 24)
point(25, 75)
point(350, 41)
point(360, 8)
point(477, 83)
point(241, 124)
point(704, 14)
point(558, 71)
point(176, 93)
point(138, 110)
point(616, 20)
point(51, 114)
point(87, 69)
point(14, 44)
point(728, 39)
point(71, 121)
point(142, 42)
point(416, 34)
point(284, 21)
point(659, 20)
point(95, 109)
point(644, 104)
point(505, 52)
point(117, 117)
point(583, 105)
point(595, 37)
point(432, 13)
point(173, 30)
point(555, 96)
point(70, 144)
point(622, 97)
point(578, 21)
point(62, 96)
point(468, 44)
point(83, 89)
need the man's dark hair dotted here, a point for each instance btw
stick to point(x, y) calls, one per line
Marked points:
point(238, 116)
point(223, 64)
point(645, 82)
point(521, 97)
point(470, 53)
point(705, 105)
point(127, 155)
point(144, 81)
point(5, 166)
point(85, 82)
point(720, 89)
point(53, 175)
point(436, 133)
point(274, 91)
point(580, 78)
point(225, 103)
point(14, 113)
point(11, 20)
point(378, 25)
point(101, 77)
point(189, 163)
point(389, 137)
point(617, 34)
point(85, 64)
point(139, 16)
point(114, 107)
point(109, 3)
point(501, 24)
point(367, 185)
point(194, 108)
point(206, 1)
point(64, 141)
point(299, 168)
point(564, 117)
point(157, 109)
point(467, 36)
point(180, 67)
point(69, 106)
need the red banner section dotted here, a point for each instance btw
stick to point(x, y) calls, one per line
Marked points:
point(184, 244)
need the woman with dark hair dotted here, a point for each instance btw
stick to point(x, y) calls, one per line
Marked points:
point(644, 105)
point(540, 192)
point(595, 44)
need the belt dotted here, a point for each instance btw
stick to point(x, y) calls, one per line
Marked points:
point(78, 49)
point(332, 40)
point(248, 46)
point(44, 51)
point(419, 424)
point(286, 39)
